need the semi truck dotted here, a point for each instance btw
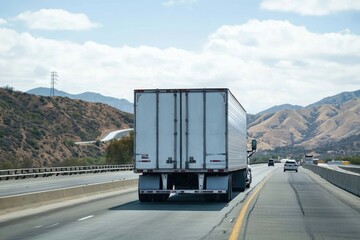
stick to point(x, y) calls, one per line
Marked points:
point(309, 159)
point(190, 141)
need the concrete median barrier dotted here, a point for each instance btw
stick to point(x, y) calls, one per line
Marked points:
point(346, 181)
point(14, 203)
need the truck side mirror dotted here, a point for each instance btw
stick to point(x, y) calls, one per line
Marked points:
point(253, 145)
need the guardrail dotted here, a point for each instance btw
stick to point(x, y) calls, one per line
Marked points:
point(24, 173)
point(348, 182)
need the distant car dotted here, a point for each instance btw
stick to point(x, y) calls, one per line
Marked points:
point(270, 162)
point(291, 165)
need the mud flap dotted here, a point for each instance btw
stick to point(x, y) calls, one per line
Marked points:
point(149, 182)
point(217, 182)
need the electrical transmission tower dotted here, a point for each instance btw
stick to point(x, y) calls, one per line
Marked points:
point(52, 83)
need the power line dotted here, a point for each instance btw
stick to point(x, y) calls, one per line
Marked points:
point(52, 83)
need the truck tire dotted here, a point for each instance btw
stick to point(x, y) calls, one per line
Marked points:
point(153, 197)
point(144, 197)
point(240, 180)
point(161, 197)
point(209, 197)
point(248, 184)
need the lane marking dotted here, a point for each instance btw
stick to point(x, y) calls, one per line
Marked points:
point(84, 218)
point(40, 226)
point(236, 229)
point(53, 225)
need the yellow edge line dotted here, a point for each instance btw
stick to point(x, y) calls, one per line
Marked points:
point(236, 229)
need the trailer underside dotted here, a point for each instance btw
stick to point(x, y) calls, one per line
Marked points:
point(159, 186)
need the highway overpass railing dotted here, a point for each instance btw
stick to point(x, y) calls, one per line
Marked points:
point(346, 181)
point(24, 173)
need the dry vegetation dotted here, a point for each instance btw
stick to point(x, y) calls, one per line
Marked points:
point(41, 131)
point(309, 128)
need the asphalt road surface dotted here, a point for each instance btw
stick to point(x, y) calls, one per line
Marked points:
point(13, 187)
point(302, 206)
point(288, 206)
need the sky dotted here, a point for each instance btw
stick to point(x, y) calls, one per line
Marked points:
point(267, 52)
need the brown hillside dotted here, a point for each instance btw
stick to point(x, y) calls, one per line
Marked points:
point(308, 127)
point(41, 131)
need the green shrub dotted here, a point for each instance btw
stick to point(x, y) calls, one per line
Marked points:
point(9, 89)
point(121, 151)
point(69, 143)
point(353, 159)
point(9, 164)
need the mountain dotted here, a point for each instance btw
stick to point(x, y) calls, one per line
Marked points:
point(329, 121)
point(40, 131)
point(280, 108)
point(121, 104)
point(337, 99)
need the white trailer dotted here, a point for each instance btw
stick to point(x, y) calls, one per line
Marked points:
point(190, 141)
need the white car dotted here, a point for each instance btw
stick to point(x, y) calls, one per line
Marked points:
point(291, 165)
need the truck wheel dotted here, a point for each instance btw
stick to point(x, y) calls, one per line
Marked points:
point(209, 197)
point(239, 180)
point(162, 197)
point(144, 197)
point(250, 180)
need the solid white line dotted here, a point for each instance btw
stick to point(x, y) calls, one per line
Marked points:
point(84, 218)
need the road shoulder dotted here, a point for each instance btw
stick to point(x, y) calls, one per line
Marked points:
point(347, 198)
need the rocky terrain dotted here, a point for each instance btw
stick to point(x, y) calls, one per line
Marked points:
point(329, 122)
point(42, 131)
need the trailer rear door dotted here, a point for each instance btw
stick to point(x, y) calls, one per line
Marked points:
point(180, 129)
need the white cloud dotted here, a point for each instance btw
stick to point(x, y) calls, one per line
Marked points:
point(3, 21)
point(264, 63)
point(311, 7)
point(267, 40)
point(179, 2)
point(56, 19)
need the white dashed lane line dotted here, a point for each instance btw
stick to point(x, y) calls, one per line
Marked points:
point(52, 225)
point(85, 218)
point(55, 224)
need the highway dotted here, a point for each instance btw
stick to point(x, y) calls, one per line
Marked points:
point(118, 134)
point(302, 206)
point(13, 187)
point(287, 206)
